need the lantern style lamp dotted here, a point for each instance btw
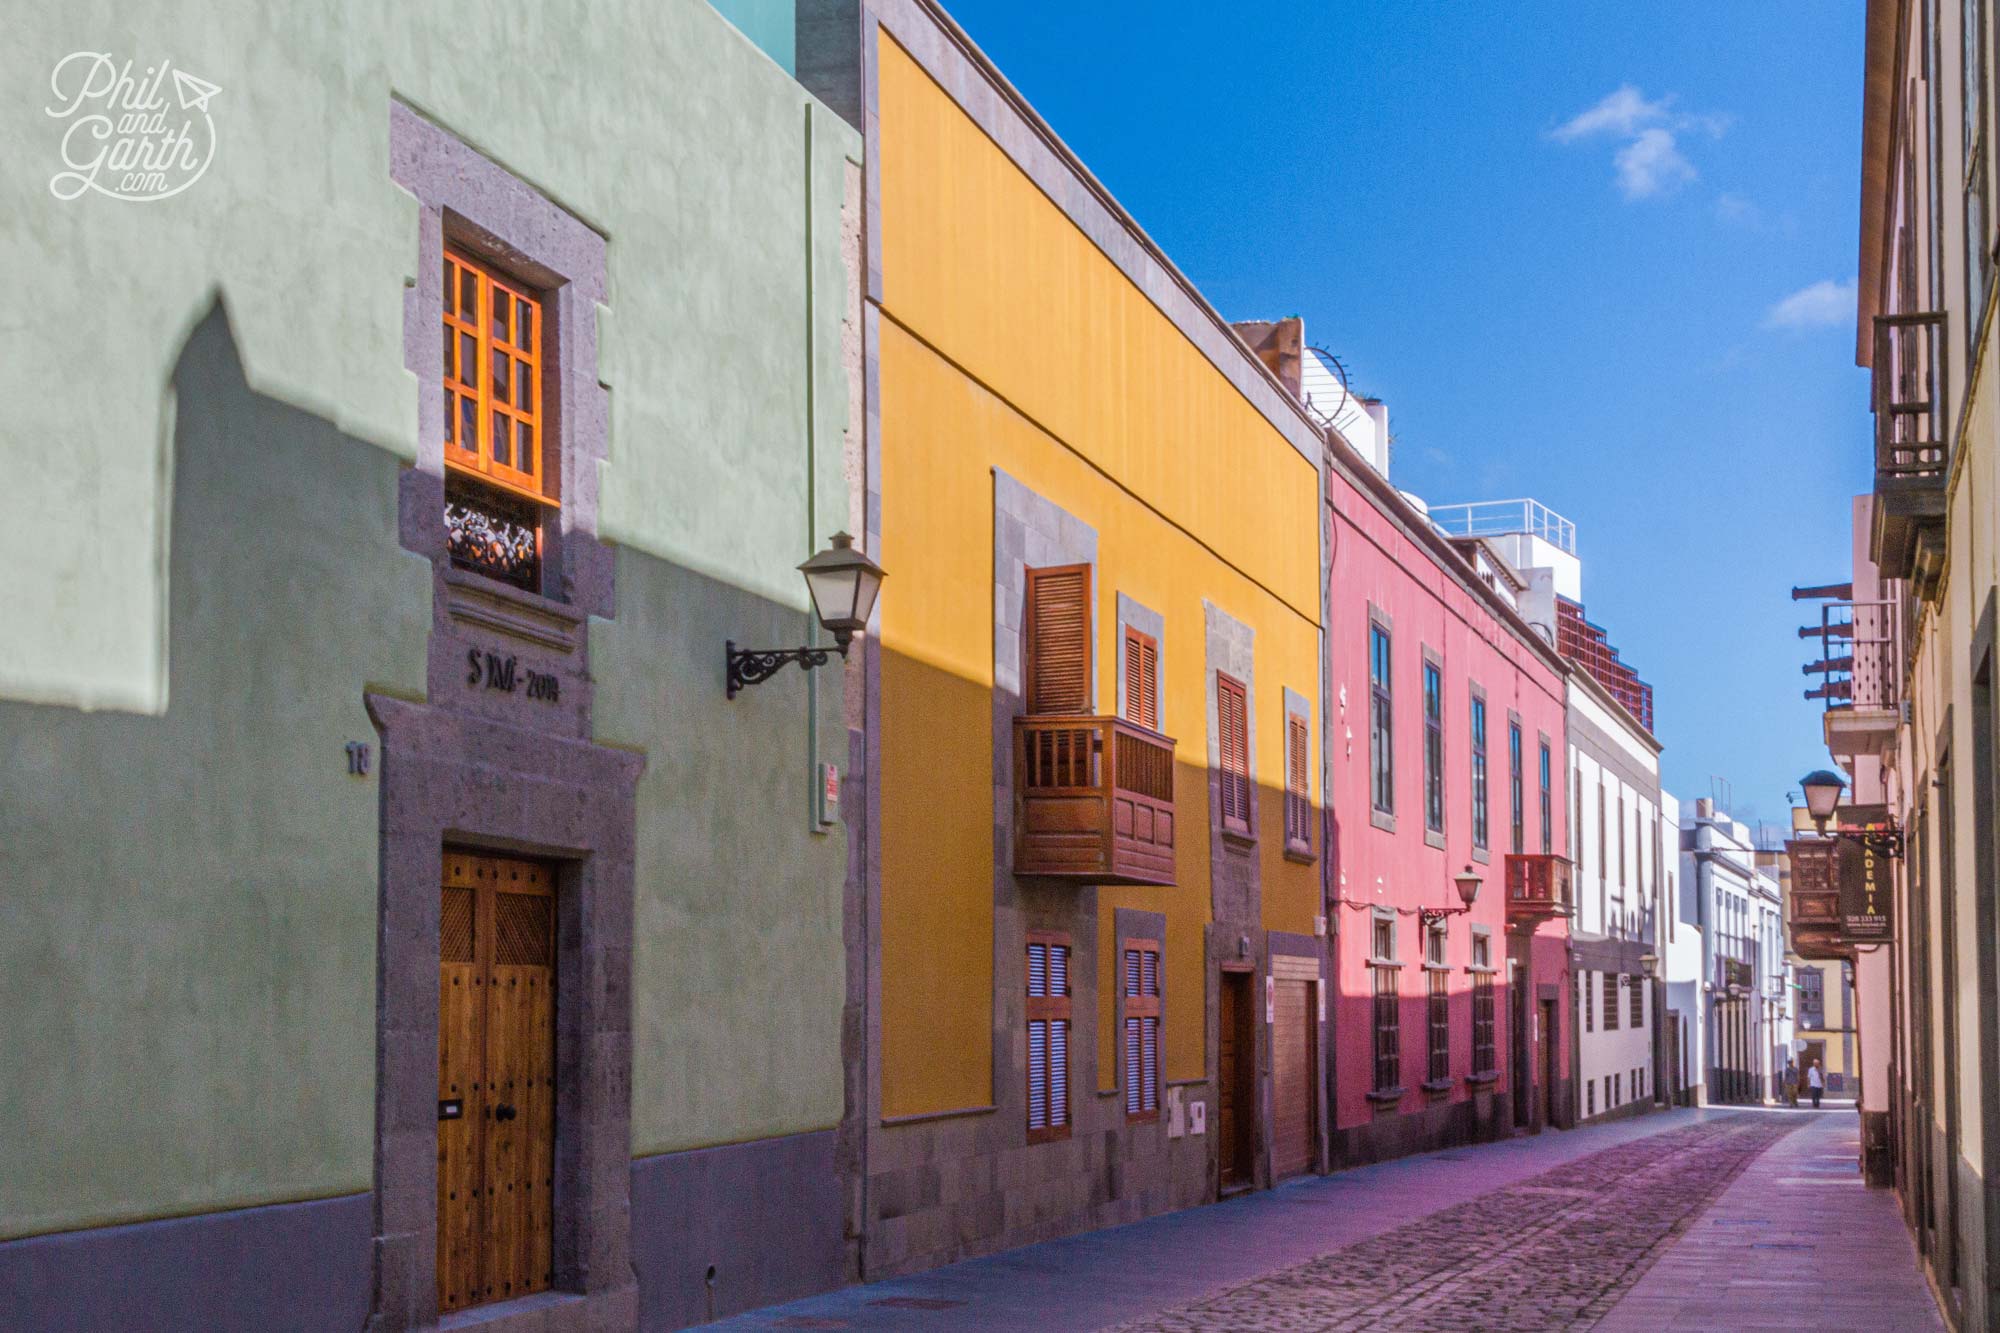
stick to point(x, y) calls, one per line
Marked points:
point(843, 583)
point(1467, 882)
point(1822, 788)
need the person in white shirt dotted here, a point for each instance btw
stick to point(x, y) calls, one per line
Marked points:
point(1816, 1081)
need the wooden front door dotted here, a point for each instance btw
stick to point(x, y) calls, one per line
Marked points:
point(1547, 1035)
point(1291, 1076)
point(1236, 1096)
point(496, 1079)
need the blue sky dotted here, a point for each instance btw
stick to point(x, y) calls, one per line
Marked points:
point(1596, 254)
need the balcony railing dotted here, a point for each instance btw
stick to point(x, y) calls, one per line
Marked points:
point(1912, 446)
point(1094, 800)
point(1734, 972)
point(1538, 885)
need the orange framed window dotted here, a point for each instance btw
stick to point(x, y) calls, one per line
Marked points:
point(493, 408)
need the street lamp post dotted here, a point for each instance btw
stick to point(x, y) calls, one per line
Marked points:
point(843, 583)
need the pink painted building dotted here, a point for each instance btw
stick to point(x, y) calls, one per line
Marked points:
point(1445, 753)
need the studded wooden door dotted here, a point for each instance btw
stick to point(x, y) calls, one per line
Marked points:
point(496, 1079)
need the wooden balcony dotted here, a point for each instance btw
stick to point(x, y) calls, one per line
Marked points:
point(1538, 886)
point(1093, 800)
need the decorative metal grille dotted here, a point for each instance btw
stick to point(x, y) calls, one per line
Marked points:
point(493, 535)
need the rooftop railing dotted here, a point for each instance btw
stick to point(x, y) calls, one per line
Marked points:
point(1501, 518)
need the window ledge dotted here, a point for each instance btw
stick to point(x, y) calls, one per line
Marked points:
point(1483, 855)
point(1383, 819)
point(1385, 1096)
point(1389, 963)
point(1237, 837)
point(1437, 967)
point(1437, 1085)
point(1481, 1080)
point(516, 612)
point(1479, 971)
point(1434, 839)
point(1302, 855)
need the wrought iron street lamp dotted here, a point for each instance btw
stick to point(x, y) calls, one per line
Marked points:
point(843, 583)
point(1467, 881)
point(1822, 788)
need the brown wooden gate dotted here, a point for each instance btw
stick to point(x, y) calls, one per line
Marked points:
point(1292, 1064)
point(496, 1079)
point(1236, 1094)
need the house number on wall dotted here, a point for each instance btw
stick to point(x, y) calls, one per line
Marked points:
point(501, 673)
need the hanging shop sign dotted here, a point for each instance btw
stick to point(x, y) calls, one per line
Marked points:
point(1864, 881)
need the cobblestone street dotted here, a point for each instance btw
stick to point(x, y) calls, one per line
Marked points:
point(1681, 1220)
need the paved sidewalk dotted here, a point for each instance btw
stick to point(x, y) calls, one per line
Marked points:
point(1798, 1242)
point(1126, 1273)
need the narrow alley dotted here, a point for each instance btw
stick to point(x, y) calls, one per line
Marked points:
point(1691, 1219)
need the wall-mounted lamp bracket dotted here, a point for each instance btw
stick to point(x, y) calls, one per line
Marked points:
point(748, 666)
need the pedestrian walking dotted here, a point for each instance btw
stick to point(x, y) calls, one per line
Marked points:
point(1817, 1082)
point(1790, 1086)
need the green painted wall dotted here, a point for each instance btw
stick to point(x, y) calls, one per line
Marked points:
point(188, 965)
point(189, 878)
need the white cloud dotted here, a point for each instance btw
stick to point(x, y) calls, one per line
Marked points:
point(1735, 208)
point(1825, 304)
point(1622, 113)
point(1651, 164)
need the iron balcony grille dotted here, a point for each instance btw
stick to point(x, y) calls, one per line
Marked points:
point(1861, 663)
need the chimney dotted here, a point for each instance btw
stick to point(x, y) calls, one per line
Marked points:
point(1280, 344)
point(1704, 808)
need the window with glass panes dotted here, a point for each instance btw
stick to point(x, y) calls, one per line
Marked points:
point(1438, 1004)
point(1638, 989)
point(492, 380)
point(1589, 1002)
point(1610, 1001)
point(1388, 1032)
point(1479, 801)
point(1433, 748)
point(1516, 795)
point(1381, 722)
point(1048, 1036)
point(1548, 819)
point(1484, 1061)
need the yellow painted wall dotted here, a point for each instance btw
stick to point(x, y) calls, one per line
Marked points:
point(1008, 341)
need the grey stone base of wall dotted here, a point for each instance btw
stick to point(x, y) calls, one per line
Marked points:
point(302, 1266)
point(767, 1215)
point(1483, 1118)
point(944, 1190)
point(717, 1231)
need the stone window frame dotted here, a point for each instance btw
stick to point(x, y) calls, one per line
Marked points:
point(1545, 776)
point(1517, 784)
point(1385, 984)
point(1480, 938)
point(573, 802)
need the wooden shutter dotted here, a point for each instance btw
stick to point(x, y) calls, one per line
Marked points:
point(1232, 724)
point(1058, 623)
point(1298, 783)
point(1142, 679)
point(1048, 1036)
point(1141, 976)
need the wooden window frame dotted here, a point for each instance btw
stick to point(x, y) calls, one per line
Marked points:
point(1141, 1007)
point(1233, 753)
point(1589, 1001)
point(1298, 784)
point(540, 484)
point(1612, 983)
point(1636, 1018)
point(1432, 700)
point(1485, 1014)
point(1381, 717)
point(1050, 1009)
point(1142, 679)
point(1033, 649)
point(1437, 1006)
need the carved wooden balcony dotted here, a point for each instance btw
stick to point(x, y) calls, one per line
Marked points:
point(1093, 800)
point(1538, 886)
point(1912, 451)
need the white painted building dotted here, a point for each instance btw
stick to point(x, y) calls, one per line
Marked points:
point(1684, 967)
point(1745, 999)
